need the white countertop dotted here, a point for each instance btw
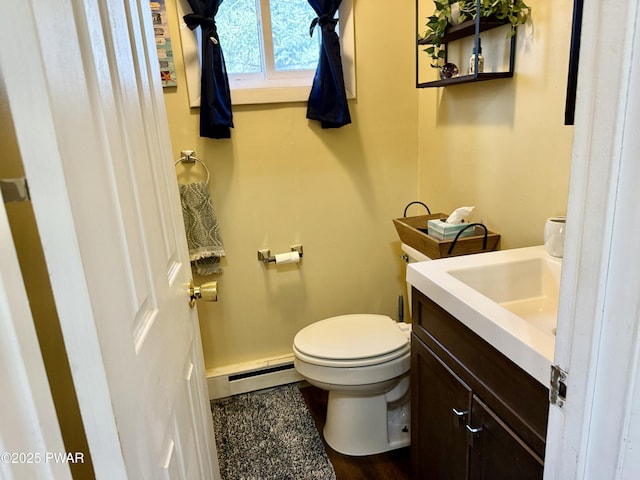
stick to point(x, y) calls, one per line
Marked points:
point(524, 342)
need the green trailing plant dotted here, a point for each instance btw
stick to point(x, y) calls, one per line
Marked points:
point(437, 25)
point(517, 12)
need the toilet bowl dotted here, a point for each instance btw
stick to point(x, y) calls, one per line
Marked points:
point(363, 361)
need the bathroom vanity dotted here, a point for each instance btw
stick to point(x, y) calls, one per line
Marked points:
point(475, 414)
point(481, 353)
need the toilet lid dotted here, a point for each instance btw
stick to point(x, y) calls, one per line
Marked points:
point(350, 337)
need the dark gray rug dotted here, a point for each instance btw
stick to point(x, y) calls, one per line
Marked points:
point(269, 435)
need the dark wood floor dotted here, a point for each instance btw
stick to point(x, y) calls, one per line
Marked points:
point(394, 465)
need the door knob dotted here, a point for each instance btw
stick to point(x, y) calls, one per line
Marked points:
point(207, 292)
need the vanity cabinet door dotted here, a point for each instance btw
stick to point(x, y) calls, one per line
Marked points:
point(496, 452)
point(438, 435)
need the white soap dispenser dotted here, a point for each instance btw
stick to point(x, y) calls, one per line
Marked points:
point(554, 229)
point(472, 60)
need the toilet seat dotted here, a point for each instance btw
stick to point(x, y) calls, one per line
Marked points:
point(355, 340)
point(356, 362)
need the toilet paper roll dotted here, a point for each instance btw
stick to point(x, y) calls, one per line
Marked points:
point(289, 257)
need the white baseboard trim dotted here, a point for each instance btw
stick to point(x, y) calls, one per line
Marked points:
point(250, 376)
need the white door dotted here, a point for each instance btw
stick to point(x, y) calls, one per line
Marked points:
point(82, 81)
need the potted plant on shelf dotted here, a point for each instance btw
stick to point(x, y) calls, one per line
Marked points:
point(516, 12)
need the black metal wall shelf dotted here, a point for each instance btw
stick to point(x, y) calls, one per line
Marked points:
point(463, 30)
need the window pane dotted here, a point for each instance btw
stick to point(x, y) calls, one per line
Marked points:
point(239, 32)
point(293, 48)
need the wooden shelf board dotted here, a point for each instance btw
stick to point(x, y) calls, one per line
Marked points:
point(466, 29)
point(465, 79)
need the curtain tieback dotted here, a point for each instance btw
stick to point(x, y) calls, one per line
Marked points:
point(322, 20)
point(193, 21)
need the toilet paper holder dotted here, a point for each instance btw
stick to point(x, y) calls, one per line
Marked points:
point(264, 255)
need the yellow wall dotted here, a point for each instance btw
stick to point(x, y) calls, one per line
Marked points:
point(502, 145)
point(282, 180)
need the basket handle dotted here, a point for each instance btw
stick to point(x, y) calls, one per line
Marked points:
point(420, 203)
point(484, 240)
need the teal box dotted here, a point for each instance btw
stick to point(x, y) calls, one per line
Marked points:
point(442, 230)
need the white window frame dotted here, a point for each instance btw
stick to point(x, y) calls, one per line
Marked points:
point(283, 88)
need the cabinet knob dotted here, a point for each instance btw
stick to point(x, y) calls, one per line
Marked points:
point(459, 417)
point(473, 434)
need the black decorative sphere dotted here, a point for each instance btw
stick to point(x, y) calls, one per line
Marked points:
point(449, 70)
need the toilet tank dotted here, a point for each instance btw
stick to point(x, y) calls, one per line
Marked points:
point(411, 255)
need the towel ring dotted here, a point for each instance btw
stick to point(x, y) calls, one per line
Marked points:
point(188, 156)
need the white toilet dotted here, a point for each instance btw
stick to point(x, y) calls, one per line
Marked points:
point(363, 361)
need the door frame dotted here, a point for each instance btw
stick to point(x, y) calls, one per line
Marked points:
point(29, 428)
point(595, 433)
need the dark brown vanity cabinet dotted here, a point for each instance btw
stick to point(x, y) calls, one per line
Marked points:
point(474, 413)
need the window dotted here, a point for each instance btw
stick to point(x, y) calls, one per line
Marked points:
point(268, 52)
point(282, 45)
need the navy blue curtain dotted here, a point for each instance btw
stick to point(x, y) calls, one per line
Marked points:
point(328, 100)
point(215, 98)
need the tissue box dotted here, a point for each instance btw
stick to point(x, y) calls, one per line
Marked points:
point(447, 231)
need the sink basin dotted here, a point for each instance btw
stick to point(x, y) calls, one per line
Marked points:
point(528, 288)
point(509, 298)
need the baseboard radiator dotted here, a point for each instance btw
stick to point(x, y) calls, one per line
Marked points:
point(247, 377)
